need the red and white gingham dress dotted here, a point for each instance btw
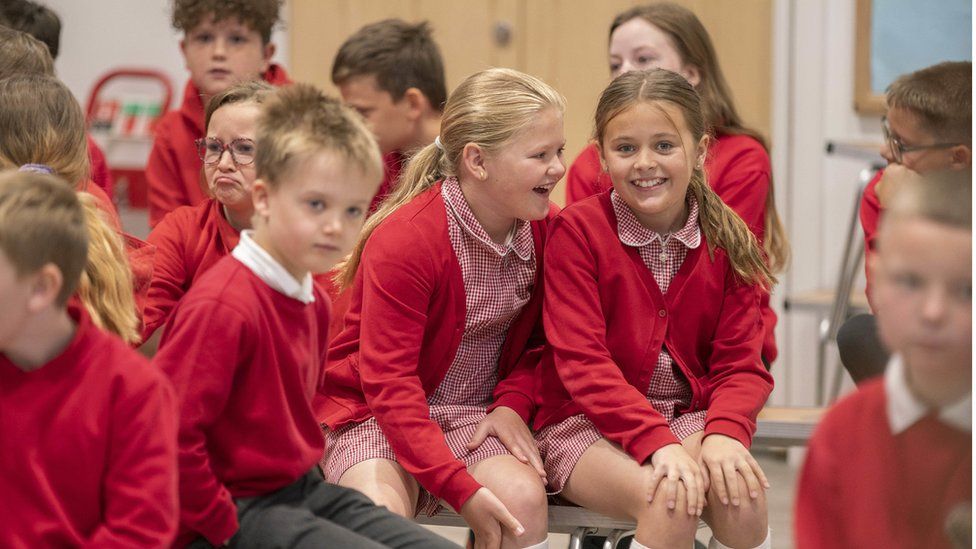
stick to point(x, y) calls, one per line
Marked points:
point(497, 284)
point(562, 444)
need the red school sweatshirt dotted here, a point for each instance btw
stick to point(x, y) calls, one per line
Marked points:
point(173, 173)
point(88, 448)
point(246, 361)
point(606, 322)
point(862, 486)
point(405, 322)
point(870, 214)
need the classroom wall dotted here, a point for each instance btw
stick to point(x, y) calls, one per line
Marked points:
point(812, 101)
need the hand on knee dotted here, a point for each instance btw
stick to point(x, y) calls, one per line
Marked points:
point(727, 462)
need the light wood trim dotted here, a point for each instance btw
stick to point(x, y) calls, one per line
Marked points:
point(865, 100)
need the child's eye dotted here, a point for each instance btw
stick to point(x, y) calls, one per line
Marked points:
point(540, 156)
point(908, 281)
point(316, 205)
point(203, 38)
point(665, 146)
point(643, 59)
point(354, 212)
point(964, 292)
point(561, 151)
point(238, 39)
point(614, 67)
point(626, 148)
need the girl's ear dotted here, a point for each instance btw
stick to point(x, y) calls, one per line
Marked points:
point(701, 151)
point(473, 161)
point(45, 285)
point(692, 74)
point(603, 161)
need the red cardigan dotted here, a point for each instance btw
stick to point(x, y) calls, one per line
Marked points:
point(861, 486)
point(606, 322)
point(188, 242)
point(174, 173)
point(402, 331)
point(89, 448)
point(738, 170)
point(246, 362)
point(393, 164)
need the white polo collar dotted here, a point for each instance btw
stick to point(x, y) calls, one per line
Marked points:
point(904, 409)
point(265, 267)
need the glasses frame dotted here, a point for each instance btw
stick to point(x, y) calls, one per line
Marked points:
point(898, 149)
point(225, 147)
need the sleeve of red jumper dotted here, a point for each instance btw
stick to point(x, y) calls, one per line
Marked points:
point(576, 328)
point(168, 281)
point(398, 280)
point(163, 179)
point(201, 349)
point(583, 176)
point(100, 173)
point(870, 213)
point(819, 520)
point(140, 503)
point(738, 383)
point(745, 192)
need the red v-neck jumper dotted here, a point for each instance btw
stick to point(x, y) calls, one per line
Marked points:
point(404, 325)
point(606, 321)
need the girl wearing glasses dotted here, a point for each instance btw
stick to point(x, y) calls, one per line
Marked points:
point(191, 239)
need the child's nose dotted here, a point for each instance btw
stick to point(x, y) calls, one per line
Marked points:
point(935, 305)
point(220, 47)
point(646, 159)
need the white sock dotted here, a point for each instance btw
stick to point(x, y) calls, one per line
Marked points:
point(766, 544)
point(637, 545)
point(544, 544)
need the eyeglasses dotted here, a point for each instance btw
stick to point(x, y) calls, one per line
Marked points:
point(898, 149)
point(211, 150)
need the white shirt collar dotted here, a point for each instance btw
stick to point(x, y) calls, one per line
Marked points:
point(904, 409)
point(260, 262)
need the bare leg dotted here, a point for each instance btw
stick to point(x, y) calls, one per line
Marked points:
point(609, 481)
point(386, 483)
point(519, 487)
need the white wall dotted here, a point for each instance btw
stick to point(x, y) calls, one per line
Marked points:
point(101, 35)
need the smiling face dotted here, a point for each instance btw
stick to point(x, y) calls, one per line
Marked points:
point(639, 45)
point(311, 218)
point(229, 182)
point(650, 155)
point(219, 55)
point(518, 178)
point(923, 297)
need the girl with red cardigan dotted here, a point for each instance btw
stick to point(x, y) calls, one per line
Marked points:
point(432, 382)
point(668, 36)
point(652, 312)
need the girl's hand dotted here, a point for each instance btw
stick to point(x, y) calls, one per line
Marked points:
point(721, 457)
point(487, 515)
point(672, 463)
point(506, 425)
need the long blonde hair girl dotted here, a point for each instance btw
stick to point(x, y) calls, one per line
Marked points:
point(489, 108)
point(722, 227)
point(695, 48)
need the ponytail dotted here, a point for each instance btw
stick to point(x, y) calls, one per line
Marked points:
point(106, 283)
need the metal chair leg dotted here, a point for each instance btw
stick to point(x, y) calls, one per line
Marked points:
point(615, 536)
point(578, 535)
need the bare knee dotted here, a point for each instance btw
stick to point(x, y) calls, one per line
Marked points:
point(525, 497)
point(658, 525)
point(745, 525)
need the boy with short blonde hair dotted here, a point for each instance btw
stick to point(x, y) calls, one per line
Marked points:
point(246, 347)
point(889, 464)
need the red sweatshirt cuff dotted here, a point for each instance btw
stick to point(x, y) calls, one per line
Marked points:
point(459, 488)
point(643, 448)
point(522, 405)
point(729, 428)
point(221, 523)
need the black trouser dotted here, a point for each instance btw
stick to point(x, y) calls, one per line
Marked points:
point(313, 513)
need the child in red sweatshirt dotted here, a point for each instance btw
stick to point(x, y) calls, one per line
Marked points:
point(87, 426)
point(224, 43)
point(891, 463)
point(246, 346)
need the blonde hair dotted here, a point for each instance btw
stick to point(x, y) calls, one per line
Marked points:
point(106, 284)
point(298, 121)
point(940, 96)
point(255, 91)
point(489, 109)
point(940, 197)
point(722, 227)
point(42, 124)
point(44, 221)
point(694, 45)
